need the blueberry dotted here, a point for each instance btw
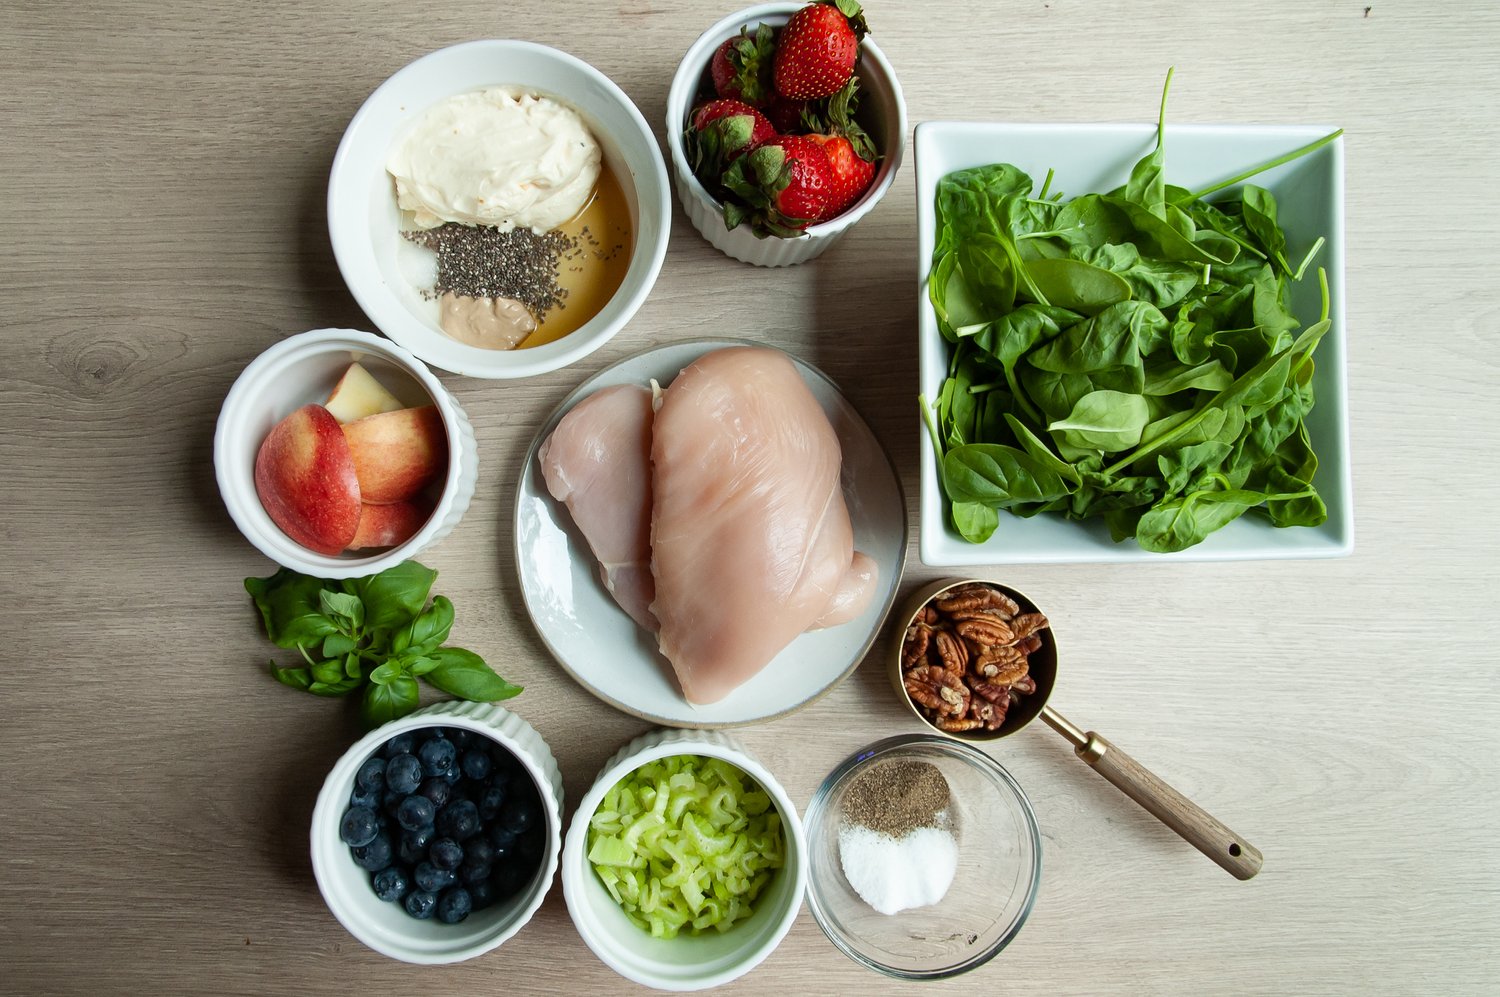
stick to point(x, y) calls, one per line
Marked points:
point(401, 744)
point(437, 755)
point(503, 840)
point(476, 763)
point(358, 827)
point(414, 845)
point(482, 894)
point(454, 905)
point(369, 799)
point(415, 813)
point(403, 774)
point(479, 849)
point(421, 904)
point(475, 872)
point(460, 737)
point(490, 802)
point(391, 884)
point(371, 774)
point(518, 814)
point(376, 855)
point(439, 791)
point(446, 853)
point(429, 877)
point(500, 773)
point(459, 820)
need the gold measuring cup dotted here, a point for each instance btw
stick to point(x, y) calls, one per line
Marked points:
point(1196, 826)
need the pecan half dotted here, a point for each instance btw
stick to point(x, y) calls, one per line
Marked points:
point(992, 692)
point(938, 690)
point(1023, 686)
point(929, 616)
point(992, 715)
point(1030, 645)
point(951, 651)
point(959, 725)
point(914, 645)
point(1026, 624)
point(990, 630)
point(976, 596)
point(1000, 665)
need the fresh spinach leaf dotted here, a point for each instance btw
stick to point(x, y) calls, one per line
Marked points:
point(1105, 420)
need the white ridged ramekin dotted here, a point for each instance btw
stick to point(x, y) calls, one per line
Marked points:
point(883, 105)
point(386, 927)
point(303, 369)
point(687, 962)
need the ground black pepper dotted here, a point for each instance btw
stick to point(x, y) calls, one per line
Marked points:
point(897, 797)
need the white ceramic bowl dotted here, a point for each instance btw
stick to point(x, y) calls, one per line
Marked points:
point(386, 927)
point(882, 105)
point(687, 962)
point(364, 224)
point(1310, 193)
point(303, 369)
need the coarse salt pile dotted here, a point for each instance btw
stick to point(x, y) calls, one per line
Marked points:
point(895, 843)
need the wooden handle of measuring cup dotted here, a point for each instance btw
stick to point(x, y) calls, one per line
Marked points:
point(1196, 825)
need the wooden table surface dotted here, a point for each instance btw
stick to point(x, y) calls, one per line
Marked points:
point(164, 171)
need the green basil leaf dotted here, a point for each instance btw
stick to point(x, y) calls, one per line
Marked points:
point(342, 687)
point(427, 631)
point(421, 665)
point(330, 670)
point(396, 595)
point(290, 609)
point(387, 673)
point(297, 678)
point(351, 664)
point(464, 674)
point(337, 645)
point(342, 605)
point(383, 703)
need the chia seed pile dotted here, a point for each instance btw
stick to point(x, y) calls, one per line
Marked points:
point(484, 262)
point(479, 261)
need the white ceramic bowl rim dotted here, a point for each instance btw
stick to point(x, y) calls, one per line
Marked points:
point(328, 848)
point(685, 87)
point(578, 872)
point(237, 482)
point(350, 236)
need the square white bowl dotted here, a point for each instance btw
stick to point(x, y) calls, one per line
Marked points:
point(1094, 158)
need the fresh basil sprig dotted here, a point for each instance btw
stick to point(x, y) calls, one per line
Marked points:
point(377, 633)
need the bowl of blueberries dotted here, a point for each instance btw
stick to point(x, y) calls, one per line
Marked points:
point(437, 835)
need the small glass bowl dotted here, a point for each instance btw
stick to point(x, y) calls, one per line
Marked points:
point(999, 867)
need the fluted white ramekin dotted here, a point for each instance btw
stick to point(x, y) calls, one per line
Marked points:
point(883, 105)
point(386, 927)
point(687, 962)
point(303, 369)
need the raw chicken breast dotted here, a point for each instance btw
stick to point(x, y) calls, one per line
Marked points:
point(751, 539)
point(854, 593)
point(597, 461)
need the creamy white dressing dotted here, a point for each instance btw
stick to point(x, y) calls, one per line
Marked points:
point(499, 157)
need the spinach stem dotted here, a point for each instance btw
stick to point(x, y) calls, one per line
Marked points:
point(1302, 267)
point(932, 430)
point(1263, 167)
point(1046, 184)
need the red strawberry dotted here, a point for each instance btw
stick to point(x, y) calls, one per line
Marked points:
point(786, 183)
point(786, 115)
point(818, 46)
point(720, 132)
point(742, 67)
point(851, 174)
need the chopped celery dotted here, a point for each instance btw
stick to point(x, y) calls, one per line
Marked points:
point(686, 843)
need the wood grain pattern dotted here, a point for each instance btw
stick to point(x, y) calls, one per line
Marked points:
point(164, 173)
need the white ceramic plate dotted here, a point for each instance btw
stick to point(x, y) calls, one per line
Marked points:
point(1310, 194)
point(609, 655)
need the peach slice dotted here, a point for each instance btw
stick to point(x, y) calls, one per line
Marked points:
point(358, 394)
point(388, 525)
point(397, 453)
point(305, 477)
